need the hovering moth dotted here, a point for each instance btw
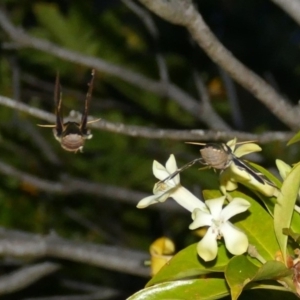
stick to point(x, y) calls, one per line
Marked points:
point(71, 135)
point(220, 157)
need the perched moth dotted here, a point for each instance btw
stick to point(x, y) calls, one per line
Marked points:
point(71, 135)
point(221, 157)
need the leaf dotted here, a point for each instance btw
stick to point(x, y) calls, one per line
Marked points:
point(295, 236)
point(272, 269)
point(284, 209)
point(196, 289)
point(294, 139)
point(187, 263)
point(240, 271)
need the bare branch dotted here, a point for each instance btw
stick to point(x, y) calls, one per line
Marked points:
point(161, 89)
point(207, 110)
point(92, 296)
point(88, 287)
point(146, 132)
point(25, 276)
point(183, 12)
point(232, 99)
point(291, 7)
point(147, 19)
point(77, 217)
point(21, 244)
point(70, 186)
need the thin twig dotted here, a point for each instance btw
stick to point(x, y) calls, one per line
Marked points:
point(147, 19)
point(234, 105)
point(88, 287)
point(25, 276)
point(207, 110)
point(146, 132)
point(21, 244)
point(80, 219)
point(69, 186)
point(92, 296)
point(291, 7)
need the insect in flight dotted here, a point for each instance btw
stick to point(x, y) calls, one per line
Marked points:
point(220, 157)
point(71, 135)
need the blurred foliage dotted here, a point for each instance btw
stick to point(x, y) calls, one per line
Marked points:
point(268, 43)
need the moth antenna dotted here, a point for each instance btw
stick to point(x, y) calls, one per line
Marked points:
point(93, 121)
point(203, 144)
point(50, 126)
point(87, 102)
point(57, 102)
point(186, 166)
point(195, 143)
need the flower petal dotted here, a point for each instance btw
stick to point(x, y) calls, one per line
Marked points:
point(207, 248)
point(153, 199)
point(171, 167)
point(283, 168)
point(246, 149)
point(236, 206)
point(232, 144)
point(201, 218)
point(215, 206)
point(159, 170)
point(147, 201)
point(236, 241)
point(186, 199)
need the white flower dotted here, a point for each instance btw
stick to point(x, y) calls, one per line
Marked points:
point(170, 188)
point(236, 241)
point(235, 174)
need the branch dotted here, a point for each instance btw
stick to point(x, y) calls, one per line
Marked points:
point(104, 291)
point(25, 276)
point(183, 12)
point(69, 186)
point(291, 7)
point(162, 89)
point(147, 19)
point(20, 244)
point(146, 132)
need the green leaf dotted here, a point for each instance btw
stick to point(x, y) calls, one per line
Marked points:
point(294, 139)
point(294, 235)
point(196, 289)
point(272, 269)
point(240, 271)
point(187, 263)
point(284, 209)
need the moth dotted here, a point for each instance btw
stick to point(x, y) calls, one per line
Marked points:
point(220, 157)
point(71, 135)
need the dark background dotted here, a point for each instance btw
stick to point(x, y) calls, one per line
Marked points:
point(257, 32)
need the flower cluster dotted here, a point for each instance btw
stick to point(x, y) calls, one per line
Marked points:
point(210, 213)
